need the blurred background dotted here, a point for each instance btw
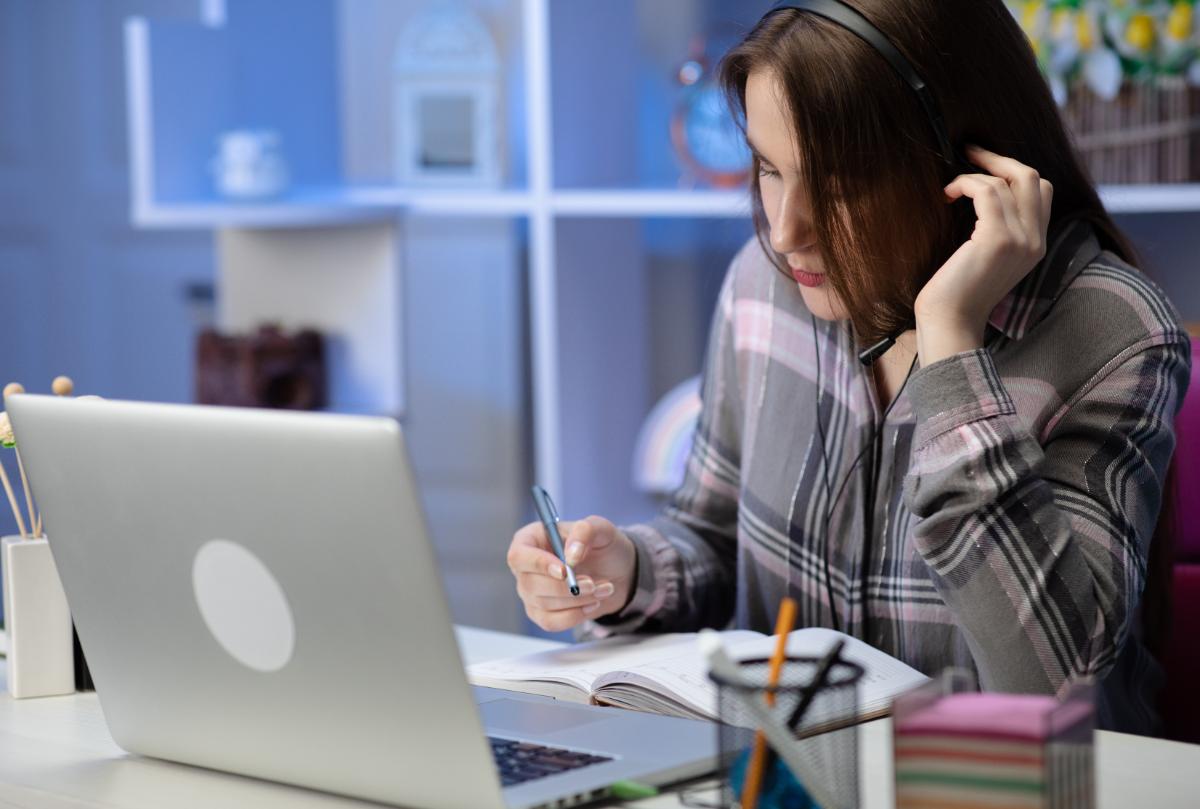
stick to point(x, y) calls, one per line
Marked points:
point(503, 222)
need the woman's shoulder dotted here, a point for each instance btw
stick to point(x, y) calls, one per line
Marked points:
point(1108, 313)
point(1110, 297)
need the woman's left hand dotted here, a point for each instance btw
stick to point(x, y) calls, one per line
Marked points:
point(1012, 203)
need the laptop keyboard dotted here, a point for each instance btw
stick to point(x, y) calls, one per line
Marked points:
point(524, 761)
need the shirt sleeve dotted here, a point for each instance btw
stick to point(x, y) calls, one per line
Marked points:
point(687, 556)
point(1039, 547)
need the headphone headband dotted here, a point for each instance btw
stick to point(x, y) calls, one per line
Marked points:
point(854, 22)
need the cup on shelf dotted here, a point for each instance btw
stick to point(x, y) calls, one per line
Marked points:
point(249, 164)
point(41, 660)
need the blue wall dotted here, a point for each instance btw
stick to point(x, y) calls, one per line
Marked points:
point(86, 295)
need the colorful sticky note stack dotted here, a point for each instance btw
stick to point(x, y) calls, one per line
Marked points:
point(994, 751)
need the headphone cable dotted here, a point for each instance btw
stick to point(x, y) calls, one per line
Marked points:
point(817, 395)
point(830, 505)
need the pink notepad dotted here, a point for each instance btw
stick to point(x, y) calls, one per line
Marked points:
point(994, 716)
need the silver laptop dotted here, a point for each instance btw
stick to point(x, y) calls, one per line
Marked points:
point(256, 592)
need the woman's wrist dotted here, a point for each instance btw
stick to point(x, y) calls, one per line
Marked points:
point(632, 579)
point(939, 338)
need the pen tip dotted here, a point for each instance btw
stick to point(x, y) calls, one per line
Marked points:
point(574, 591)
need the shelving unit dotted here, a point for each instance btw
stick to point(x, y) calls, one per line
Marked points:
point(594, 209)
point(609, 200)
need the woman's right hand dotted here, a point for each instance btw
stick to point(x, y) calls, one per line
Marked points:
point(604, 561)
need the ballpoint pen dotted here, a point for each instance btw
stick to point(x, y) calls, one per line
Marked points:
point(818, 682)
point(549, 517)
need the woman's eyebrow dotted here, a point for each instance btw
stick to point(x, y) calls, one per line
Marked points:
point(755, 151)
point(758, 153)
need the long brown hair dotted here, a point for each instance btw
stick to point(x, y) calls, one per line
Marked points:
point(867, 152)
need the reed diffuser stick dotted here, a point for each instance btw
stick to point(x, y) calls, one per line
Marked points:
point(12, 501)
point(33, 520)
point(7, 440)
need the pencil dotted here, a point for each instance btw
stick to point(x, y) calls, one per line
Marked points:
point(754, 771)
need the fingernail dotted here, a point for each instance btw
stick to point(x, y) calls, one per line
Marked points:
point(605, 590)
point(556, 571)
point(590, 608)
point(574, 551)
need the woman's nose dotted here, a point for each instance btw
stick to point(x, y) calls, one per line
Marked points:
point(792, 228)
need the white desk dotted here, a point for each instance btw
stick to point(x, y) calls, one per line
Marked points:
point(56, 753)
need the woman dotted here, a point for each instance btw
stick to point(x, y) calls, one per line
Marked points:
point(984, 494)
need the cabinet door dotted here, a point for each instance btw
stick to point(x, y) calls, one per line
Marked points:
point(465, 421)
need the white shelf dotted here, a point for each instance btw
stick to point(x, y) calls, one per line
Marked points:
point(266, 215)
point(1151, 198)
point(375, 203)
point(435, 202)
point(632, 203)
point(616, 202)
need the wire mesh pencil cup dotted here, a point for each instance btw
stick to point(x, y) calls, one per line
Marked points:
point(819, 752)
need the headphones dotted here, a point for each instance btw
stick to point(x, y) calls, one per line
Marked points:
point(839, 12)
point(854, 22)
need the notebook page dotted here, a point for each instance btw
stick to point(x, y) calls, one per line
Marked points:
point(683, 676)
point(582, 664)
point(884, 677)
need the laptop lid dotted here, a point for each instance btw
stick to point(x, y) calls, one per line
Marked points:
point(255, 592)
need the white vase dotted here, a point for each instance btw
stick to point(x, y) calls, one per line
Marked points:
point(40, 654)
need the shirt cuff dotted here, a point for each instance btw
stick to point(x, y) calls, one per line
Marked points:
point(653, 551)
point(955, 391)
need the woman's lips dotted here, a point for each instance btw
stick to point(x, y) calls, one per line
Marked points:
point(808, 279)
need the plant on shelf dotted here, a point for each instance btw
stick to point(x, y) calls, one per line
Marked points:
point(1126, 74)
point(1100, 44)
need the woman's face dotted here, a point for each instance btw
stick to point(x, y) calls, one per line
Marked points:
point(789, 212)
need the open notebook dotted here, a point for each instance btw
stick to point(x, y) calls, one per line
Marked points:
point(666, 673)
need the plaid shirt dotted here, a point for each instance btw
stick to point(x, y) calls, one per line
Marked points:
point(1016, 487)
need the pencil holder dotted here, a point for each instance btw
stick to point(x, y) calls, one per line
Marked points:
point(812, 759)
point(954, 746)
point(40, 635)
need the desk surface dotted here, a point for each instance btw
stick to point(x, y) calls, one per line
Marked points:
point(56, 753)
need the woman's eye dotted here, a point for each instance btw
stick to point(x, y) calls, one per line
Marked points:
point(763, 171)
